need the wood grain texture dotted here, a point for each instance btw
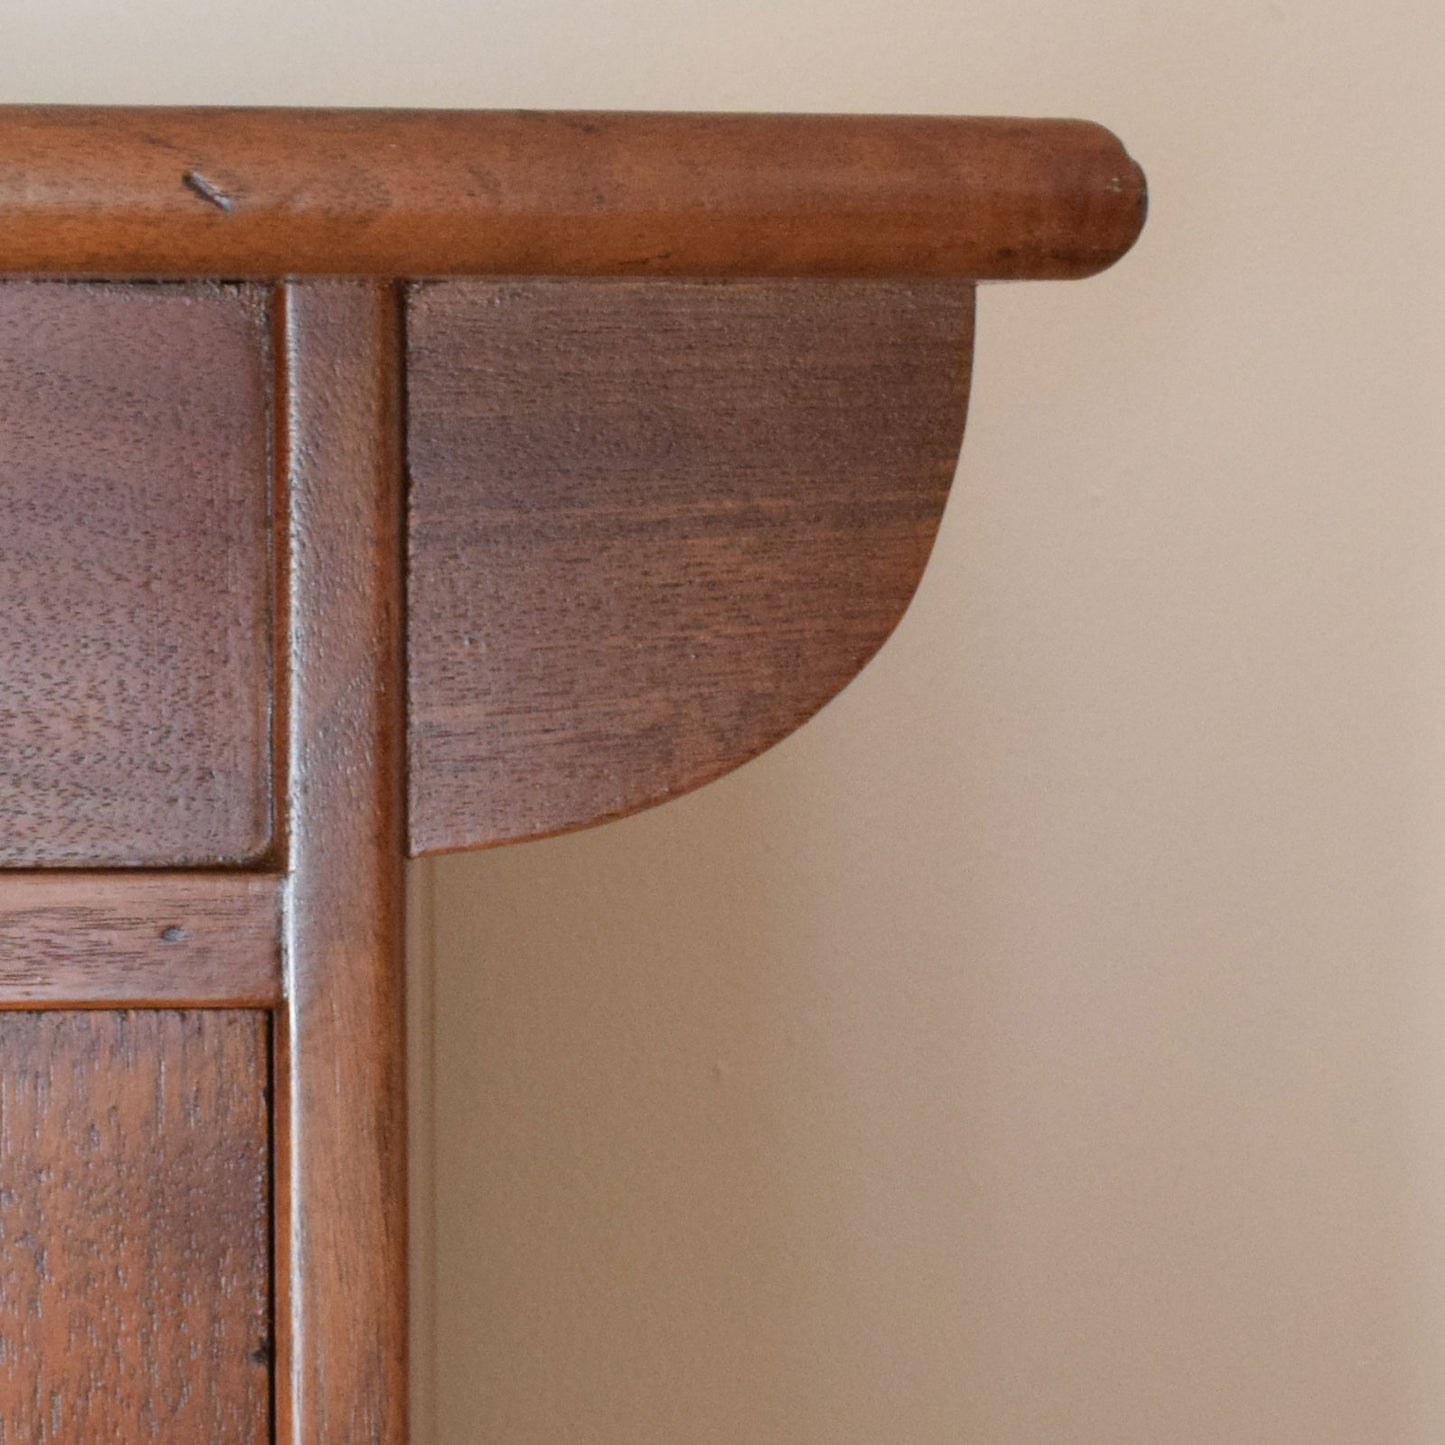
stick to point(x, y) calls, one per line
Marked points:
point(152, 192)
point(134, 562)
point(135, 939)
point(134, 1229)
point(345, 1126)
point(656, 525)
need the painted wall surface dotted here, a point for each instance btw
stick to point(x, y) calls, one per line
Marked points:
point(1047, 1045)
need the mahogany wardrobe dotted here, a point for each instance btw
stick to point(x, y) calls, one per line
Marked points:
point(376, 484)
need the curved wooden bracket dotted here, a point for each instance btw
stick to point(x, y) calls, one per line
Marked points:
point(388, 480)
point(655, 525)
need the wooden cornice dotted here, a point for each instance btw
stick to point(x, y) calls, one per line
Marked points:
point(149, 192)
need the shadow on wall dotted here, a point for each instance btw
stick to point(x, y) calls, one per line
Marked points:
point(703, 1144)
point(1040, 1046)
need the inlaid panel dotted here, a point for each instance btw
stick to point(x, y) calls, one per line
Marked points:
point(135, 636)
point(655, 525)
point(134, 1228)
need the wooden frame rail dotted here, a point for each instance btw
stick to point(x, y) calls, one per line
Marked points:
point(149, 192)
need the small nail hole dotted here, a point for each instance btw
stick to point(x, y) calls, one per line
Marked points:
point(173, 934)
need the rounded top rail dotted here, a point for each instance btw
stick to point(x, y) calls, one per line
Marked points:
point(161, 192)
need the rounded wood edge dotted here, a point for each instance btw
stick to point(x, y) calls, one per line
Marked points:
point(159, 192)
point(425, 847)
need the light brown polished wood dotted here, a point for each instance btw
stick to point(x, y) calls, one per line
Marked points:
point(139, 939)
point(149, 192)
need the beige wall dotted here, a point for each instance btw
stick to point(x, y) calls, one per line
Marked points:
point(1047, 1045)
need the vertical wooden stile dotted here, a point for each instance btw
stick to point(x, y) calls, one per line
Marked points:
point(341, 1156)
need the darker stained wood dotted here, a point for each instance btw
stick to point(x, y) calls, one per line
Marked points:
point(134, 563)
point(109, 939)
point(134, 1229)
point(164, 192)
point(655, 526)
point(343, 1226)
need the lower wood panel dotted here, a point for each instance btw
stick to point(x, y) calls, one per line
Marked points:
point(135, 1299)
point(135, 567)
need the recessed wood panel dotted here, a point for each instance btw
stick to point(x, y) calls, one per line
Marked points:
point(134, 1228)
point(342, 1151)
point(656, 525)
point(135, 634)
